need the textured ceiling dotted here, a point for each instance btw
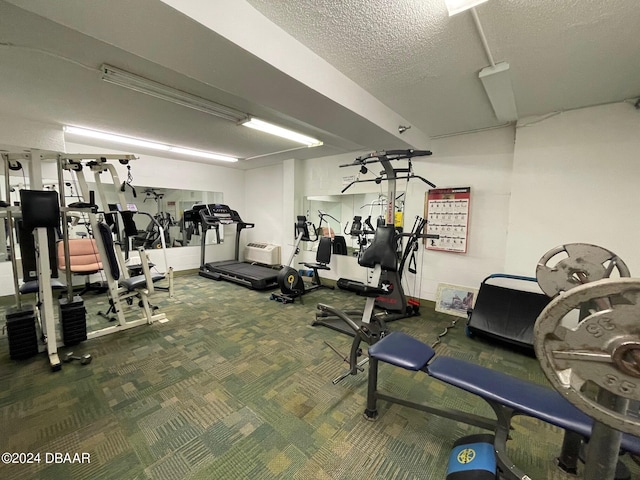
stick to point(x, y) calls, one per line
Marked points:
point(563, 54)
point(347, 72)
point(49, 70)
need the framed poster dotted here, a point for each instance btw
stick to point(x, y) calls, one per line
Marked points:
point(454, 299)
point(447, 214)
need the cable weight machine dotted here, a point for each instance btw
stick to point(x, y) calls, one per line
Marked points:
point(394, 304)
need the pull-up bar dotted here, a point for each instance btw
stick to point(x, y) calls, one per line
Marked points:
point(381, 179)
point(390, 174)
point(387, 155)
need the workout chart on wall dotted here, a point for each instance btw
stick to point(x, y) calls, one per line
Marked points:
point(447, 214)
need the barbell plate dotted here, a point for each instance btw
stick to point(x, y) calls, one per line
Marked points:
point(583, 263)
point(563, 344)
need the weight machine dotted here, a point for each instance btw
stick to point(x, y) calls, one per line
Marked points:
point(49, 206)
point(156, 233)
point(361, 229)
point(394, 302)
point(122, 284)
point(338, 243)
point(382, 257)
point(31, 329)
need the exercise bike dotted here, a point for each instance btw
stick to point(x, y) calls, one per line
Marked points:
point(289, 279)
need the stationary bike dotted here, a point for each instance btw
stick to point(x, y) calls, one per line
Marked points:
point(289, 279)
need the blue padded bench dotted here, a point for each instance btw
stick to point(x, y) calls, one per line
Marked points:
point(507, 395)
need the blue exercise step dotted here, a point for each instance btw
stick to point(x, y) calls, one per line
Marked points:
point(472, 458)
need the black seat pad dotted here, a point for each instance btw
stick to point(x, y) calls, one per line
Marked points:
point(360, 288)
point(317, 266)
point(32, 286)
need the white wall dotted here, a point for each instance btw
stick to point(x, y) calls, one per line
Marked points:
point(575, 179)
point(20, 132)
point(482, 161)
point(567, 178)
point(263, 206)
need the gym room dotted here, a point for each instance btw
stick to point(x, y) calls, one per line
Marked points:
point(416, 263)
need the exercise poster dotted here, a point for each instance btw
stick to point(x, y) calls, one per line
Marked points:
point(447, 214)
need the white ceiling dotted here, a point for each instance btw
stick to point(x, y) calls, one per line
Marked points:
point(348, 72)
point(563, 54)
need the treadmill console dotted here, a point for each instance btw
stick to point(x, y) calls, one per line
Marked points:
point(216, 214)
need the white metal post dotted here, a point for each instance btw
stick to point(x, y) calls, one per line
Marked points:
point(47, 315)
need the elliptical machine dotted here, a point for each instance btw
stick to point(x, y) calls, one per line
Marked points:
point(289, 279)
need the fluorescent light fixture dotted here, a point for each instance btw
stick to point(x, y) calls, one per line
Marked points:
point(202, 154)
point(140, 84)
point(115, 138)
point(149, 87)
point(139, 142)
point(281, 132)
point(497, 83)
point(458, 6)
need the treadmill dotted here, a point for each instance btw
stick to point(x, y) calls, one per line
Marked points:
point(251, 275)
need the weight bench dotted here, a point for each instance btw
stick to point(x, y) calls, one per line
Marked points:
point(508, 396)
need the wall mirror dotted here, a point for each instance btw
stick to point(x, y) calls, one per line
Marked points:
point(334, 215)
point(166, 205)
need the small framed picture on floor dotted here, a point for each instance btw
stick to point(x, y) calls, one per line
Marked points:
point(455, 299)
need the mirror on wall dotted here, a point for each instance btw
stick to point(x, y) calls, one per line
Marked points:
point(336, 215)
point(166, 206)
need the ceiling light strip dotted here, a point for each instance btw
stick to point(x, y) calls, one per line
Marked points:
point(282, 132)
point(139, 142)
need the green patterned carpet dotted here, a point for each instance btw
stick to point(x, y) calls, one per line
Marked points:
point(236, 386)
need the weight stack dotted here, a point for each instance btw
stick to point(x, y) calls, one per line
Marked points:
point(472, 458)
point(21, 332)
point(73, 320)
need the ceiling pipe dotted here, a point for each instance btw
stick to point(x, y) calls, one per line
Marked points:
point(476, 19)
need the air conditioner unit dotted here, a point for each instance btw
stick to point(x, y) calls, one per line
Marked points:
point(265, 253)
